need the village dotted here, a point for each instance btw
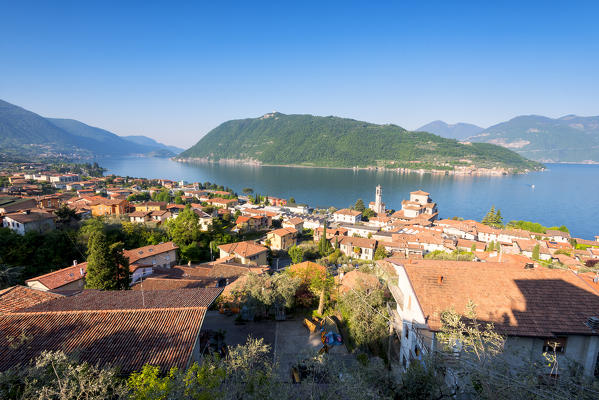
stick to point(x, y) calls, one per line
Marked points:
point(215, 268)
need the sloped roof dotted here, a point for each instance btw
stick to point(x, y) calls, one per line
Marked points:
point(127, 329)
point(538, 302)
point(56, 279)
point(140, 253)
point(19, 297)
point(91, 299)
point(243, 249)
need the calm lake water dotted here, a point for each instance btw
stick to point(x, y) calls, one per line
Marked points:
point(564, 194)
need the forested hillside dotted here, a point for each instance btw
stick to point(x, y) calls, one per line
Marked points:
point(339, 142)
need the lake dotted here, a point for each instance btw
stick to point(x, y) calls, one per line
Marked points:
point(564, 194)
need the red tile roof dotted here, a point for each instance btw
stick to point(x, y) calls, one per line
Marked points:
point(243, 249)
point(19, 297)
point(56, 279)
point(140, 253)
point(128, 339)
point(127, 329)
point(347, 211)
point(284, 231)
point(538, 302)
point(91, 299)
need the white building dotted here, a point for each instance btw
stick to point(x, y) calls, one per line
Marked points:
point(347, 215)
point(29, 220)
point(519, 311)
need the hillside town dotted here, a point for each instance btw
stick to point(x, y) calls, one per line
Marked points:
point(192, 260)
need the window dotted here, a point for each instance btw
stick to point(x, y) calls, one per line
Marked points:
point(406, 330)
point(557, 344)
point(416, 351)
point(403, 361)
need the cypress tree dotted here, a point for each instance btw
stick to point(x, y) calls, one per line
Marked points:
point(107, 267)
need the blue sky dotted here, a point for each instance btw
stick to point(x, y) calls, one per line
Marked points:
point(174, 71)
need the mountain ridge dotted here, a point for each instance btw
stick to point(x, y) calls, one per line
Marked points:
point(459, 131)
point(25, 133)
point(307, 140)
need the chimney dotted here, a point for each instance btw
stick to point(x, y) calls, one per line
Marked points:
point(81, 271)
point(440, 279)
point(74, 263)
point(189, 263)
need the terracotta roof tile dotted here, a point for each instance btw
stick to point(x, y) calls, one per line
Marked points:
point(56, 279)
point(19, 297)
point(243, 249)
point(526, 302)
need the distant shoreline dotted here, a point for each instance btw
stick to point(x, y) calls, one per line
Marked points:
point(472, 172)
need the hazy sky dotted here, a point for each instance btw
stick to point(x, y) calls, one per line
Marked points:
point(173, 71)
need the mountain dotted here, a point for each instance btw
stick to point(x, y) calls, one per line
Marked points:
point(567, 139)
point(279, 139)
point(457, 131)
point(146, 141)
point(25, 133)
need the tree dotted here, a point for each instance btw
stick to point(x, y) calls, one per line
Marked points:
point(66, 214)
point(107, 267)
point(178, 200)
point(359, 206)
point(297, 254)
point(473, 248)
point(291, 200)
point(367, 214)
point(490, 247)
point(184, 229)
point(536, 252)
point(324, 246)
point(54, 375)
point(493, 218)
point(366, 316)
point(380, 253)
point(9, 276)
point(247, 190)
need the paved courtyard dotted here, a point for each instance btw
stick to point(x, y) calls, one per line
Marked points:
point(290, 340)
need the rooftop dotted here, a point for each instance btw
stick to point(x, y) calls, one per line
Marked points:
point(538, 302)
point(19, 297)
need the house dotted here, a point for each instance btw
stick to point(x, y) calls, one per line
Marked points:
point(467, 245)
point(357, 247)
point(9, 204)
point(295, 223)
point(126, 329)
point(29, 221)
point(151, 206)
point(219, 202)
point(140, 216)
point(359, 230)
point(347, 215)
point(532, 307)
point(282, 239)
point(65, 178)
point(527, 246)
point(461, 229)
point(143, 260)
point(419, 207)
point(204, 219)
point(102, 206)
point(65, 279)
point(331, 233)
point(245, 252)
point(261, 212)
point(557, 236)
point(160, 215)
point(245, 223)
